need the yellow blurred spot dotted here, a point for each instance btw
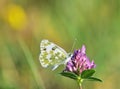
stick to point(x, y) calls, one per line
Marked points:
point(16, 17)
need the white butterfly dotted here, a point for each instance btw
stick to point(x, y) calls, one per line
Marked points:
point(52, 55)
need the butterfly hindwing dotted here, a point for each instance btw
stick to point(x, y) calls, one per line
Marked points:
point(51, 54)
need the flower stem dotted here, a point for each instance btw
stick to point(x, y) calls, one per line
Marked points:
point(80, 82)
point(80, 86)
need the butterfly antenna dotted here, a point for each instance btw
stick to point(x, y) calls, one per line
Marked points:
point(74, 43)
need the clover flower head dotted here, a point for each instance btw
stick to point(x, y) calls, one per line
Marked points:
point(79, 62)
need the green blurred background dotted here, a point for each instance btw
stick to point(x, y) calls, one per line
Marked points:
point(24, 23)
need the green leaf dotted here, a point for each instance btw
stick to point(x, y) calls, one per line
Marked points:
point(87, 73)
point(70, 75)
point(94, 79)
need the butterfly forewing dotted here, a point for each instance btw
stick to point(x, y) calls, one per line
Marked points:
point(51, 54)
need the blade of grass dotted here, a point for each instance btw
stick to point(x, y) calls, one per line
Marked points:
point(31, 63)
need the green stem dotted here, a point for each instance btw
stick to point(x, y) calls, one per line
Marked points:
point(80, 82)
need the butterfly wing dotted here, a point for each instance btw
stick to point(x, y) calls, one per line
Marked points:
point(51, 54)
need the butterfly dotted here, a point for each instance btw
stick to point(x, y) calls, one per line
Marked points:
point(51, 55)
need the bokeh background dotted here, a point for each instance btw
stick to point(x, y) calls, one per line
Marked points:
point(24, 23)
